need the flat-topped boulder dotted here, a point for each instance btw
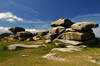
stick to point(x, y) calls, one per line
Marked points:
point(62, 22)
point(16, 29)
point(84, 26)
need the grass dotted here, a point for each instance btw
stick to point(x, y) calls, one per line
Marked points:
point(34, 56)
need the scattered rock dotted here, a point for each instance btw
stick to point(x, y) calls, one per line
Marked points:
point(24, 55)
point(69, 49)
point(36, 38)
point(29, 39)
point(93, 60)
point(19, 46)
point(53, 56)
point(48, 41)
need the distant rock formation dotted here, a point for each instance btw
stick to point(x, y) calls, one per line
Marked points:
point(61, 30)
point(16, 29)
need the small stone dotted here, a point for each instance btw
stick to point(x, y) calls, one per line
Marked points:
point(48, 41)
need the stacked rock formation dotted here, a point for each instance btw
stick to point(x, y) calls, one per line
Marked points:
point(20, 33)
point(58, 27)
point(65, 29)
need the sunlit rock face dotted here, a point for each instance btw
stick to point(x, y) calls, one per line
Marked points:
point(80, 31)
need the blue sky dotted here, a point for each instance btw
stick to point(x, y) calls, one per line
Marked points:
point(38, 14)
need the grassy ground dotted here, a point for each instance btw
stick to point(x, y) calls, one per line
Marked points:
point(34, 56)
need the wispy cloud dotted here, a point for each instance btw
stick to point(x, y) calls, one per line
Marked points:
point(88, 17)
point(10, 17)
point(24, 8)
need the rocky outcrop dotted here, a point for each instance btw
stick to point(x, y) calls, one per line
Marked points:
point(42, 35)
point(57, 30)
point(16, 29)
point(84, 26)
point(23, 35)
point(78, 36)
point(72, 33)
point(58, 27)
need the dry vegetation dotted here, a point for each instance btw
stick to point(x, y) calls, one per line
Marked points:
point(33, 57)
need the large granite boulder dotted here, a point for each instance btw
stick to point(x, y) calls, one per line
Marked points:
point(23, 35)
point(56, 30)
point(16, 29)
point(62, 22)
point(84, 26)
point(78, 36)
point(62, 42)
point(42, 33)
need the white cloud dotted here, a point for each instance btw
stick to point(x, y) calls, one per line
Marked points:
point(32, 30)
point(97, 32)
point(5, 29)
point(10, 17)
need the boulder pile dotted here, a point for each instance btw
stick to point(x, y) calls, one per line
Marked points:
point(20, 33)
point(62, 30)
point(68, 32)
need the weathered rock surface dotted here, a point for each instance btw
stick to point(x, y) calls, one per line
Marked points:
point(42, 33)
point(69, 49)
point(23, 35)
point(78, 36)
point(16, 29)
point(56, 30)
point(84, 26)
point(67, 42)
point(17, 46)
point(75, 43)
point(70, 30)
point(62, 22)
point(36, 38)
point(53, 56)
point(48, 41)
